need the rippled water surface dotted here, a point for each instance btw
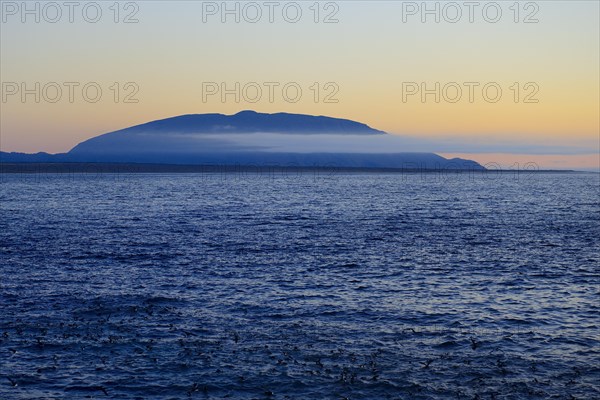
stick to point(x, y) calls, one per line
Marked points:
point(312, 286)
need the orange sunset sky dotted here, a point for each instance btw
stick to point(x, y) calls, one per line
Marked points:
point(545, 60)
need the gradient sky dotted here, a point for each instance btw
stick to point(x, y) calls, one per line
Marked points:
point(368, 54)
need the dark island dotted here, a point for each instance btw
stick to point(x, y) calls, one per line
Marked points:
point(248, 139)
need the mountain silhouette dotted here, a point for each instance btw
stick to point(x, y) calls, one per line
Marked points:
point(249, 138)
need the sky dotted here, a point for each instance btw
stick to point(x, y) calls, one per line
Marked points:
point(504, 82)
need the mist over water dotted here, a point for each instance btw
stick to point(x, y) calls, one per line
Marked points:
point(271, 142)
point(390, 143)
point(300, 286)
point(309, 143)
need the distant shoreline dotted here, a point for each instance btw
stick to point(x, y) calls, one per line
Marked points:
point(124, 168)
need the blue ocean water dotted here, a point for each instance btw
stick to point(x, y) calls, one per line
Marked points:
point(300, 285)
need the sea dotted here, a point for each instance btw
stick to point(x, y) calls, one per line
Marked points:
point(303, 284)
